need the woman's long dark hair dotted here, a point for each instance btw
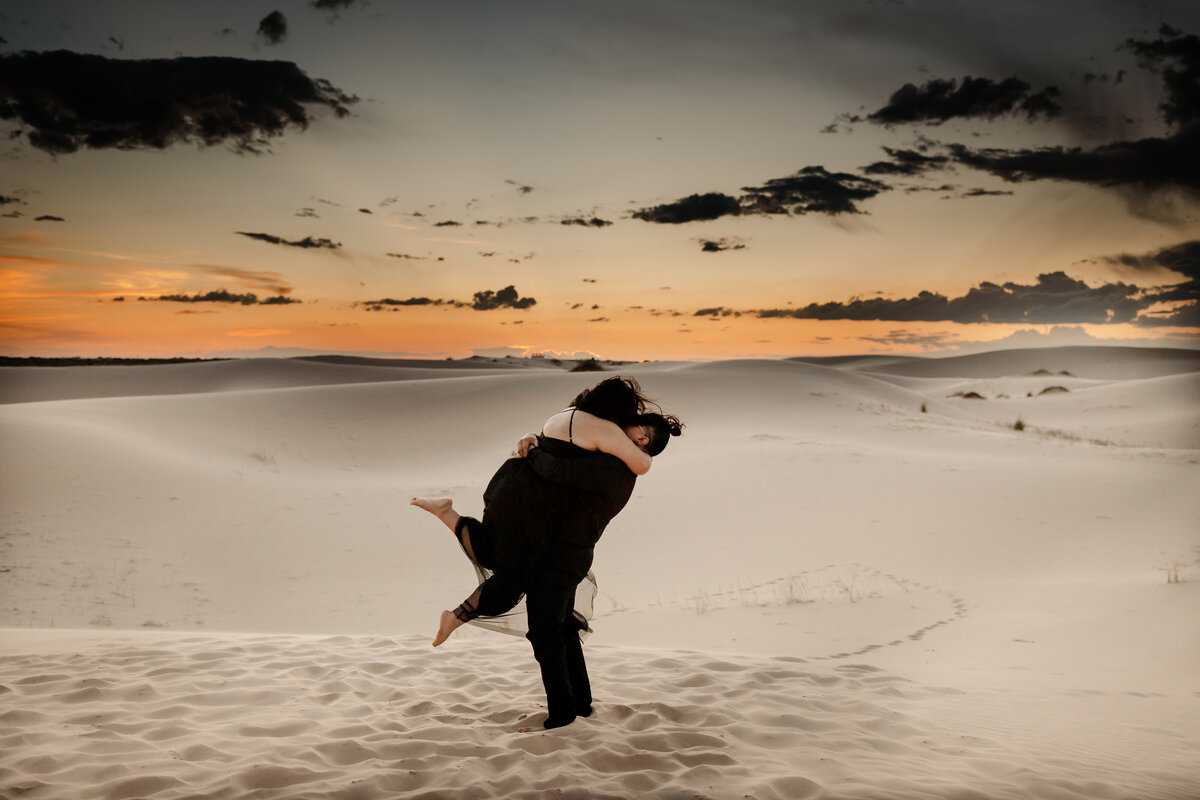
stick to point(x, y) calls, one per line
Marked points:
point(620, 400)
point(615, 399)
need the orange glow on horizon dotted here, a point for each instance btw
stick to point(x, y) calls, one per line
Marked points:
point(66, 326)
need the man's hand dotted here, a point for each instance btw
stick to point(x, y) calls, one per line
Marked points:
point(526, 444)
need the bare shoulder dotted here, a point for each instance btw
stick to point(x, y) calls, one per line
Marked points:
point(561, 425)
point(580, 427)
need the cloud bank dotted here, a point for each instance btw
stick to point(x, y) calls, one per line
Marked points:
point(1055, 298)
point(222, 296)
point(941, 100)
point(486, 300)
point(63, 101)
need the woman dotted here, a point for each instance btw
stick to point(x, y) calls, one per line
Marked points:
point(542, 517)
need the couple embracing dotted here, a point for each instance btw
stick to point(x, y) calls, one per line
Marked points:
point(544, 511)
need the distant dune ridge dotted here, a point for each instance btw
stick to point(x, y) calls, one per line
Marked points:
point(844, 581)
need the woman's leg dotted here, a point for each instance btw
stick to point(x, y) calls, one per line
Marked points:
point(443, 509)
point(495, 596)
point(450, 621)
point(440, 507)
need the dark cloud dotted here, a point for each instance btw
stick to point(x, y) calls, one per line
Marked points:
point(1150, 173)
point(720, 245)
point(1183, 317)
point(395, 305)
point(64, 101)
point(484, 301)
point(505, 298)
point(306, 242)
point(449, 223)
point(594, 222)
point(812, 190)
point(48, 218)
point(5, 200)
point(1183, 259)
point(985, 193)
point(332, 6)
point(945, 187)
point(941, 100)
point(222, 296)
point(1177, 58)
point(693, 208)
point(1147, 164)
point(1143, 168)
point(1054, 298)
point(406, 256)
point(906, 163)
point(521, 188)
point(273, 28)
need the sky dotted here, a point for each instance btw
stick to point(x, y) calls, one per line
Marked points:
point(629, 180)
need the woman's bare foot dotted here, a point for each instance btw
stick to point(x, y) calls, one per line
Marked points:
point(440, 507)
point(447, 625)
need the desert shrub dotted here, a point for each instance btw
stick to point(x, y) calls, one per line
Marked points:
point(1053, 390)
point(591, 365)
point(1019, 425)
point(969, 395)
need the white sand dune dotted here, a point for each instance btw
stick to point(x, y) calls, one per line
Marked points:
point(275, 716)
point(211, 584)
point(31, 384)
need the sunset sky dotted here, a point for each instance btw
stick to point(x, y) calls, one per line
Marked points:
point(631, 180)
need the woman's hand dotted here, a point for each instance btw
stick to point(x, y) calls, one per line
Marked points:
point(526, 444)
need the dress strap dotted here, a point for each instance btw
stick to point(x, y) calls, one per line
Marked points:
point(570, 425)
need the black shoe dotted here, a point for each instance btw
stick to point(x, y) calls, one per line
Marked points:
point(557, 722)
